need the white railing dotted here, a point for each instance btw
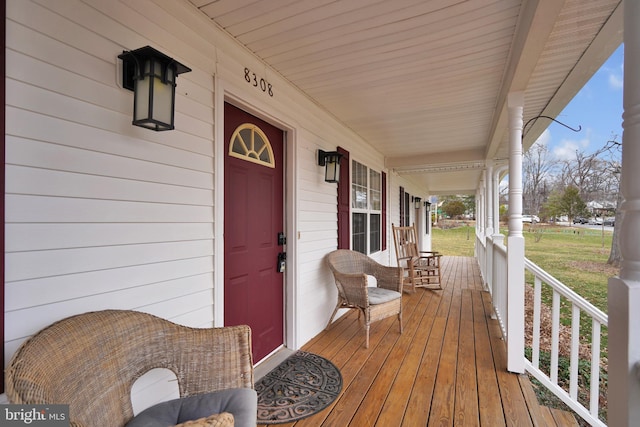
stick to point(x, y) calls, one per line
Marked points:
point(492, 259)
point(481, 254)
point(561, 295)
point(494, 273)
point(499, 284)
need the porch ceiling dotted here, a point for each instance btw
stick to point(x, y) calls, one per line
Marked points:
point(425, 82)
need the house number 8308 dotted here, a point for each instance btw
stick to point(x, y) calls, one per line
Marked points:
point(251, 78)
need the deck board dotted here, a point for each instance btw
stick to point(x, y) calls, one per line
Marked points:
point(442, 405)
point(447, 368)
point(490, 405)
point(466, 410)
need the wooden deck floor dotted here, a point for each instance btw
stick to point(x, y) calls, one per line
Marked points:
point(447, 368)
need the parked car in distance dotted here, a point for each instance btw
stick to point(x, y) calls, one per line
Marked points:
point(532, 219)
point(580, 220)
point(595, 221)
point(610, 220)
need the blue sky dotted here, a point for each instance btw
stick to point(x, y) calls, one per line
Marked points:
point(597, 108)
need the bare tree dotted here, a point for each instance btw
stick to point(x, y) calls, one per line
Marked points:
point(592, 173)
point(536, 169)
point(583, 172)
point(613, 152)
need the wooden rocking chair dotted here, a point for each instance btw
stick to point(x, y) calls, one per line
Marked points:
point(422, 268)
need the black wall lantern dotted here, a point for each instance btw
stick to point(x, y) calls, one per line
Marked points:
point(151, 75)
point(416, 202)
point(331, 161)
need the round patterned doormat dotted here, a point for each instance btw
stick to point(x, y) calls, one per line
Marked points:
point(302, 385)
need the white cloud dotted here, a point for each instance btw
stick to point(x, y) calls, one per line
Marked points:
point(544, 138)
point(616, 77)
point(566, 149)
point(615, 81)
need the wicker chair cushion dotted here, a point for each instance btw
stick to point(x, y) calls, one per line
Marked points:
point(381, 295)
point(224, 419)
point(241, 402)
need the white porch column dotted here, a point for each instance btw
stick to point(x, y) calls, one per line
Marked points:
point(488, 236)
point(488, 187)
point(482, 214)
point(496, 197)
point(624, 291)
point(478, 253)
point(423, 241)
point(428, 225)
point(515, 239)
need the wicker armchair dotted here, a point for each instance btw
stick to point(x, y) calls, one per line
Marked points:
point(351, 270)
point(90, 361)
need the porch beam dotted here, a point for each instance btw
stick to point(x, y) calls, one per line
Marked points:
point(624, 290)
point(515, 239)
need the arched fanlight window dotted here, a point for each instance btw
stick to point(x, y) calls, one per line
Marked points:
point(249, 143)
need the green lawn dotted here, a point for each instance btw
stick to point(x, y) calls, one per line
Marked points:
point(459, 240)
point(576, 257)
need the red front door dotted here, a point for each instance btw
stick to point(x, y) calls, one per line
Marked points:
point(253, 285)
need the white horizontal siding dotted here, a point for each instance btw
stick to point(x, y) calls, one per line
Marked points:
point(43, 182)
point(101, 214)
point(39, 127)
point(167, 298)
point(29, 293)
point(34, 264)
point(54, 156)
point(192, 308)
point(20, 208)
point(23, 237)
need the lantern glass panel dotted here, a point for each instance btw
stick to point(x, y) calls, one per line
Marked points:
point(142, 92)
point(163, 95)
point(154, 97)
point(332, 169)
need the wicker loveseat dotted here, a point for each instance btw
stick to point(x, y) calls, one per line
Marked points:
point(90, 361)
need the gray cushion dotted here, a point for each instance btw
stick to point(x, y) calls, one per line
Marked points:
point(241, 402)
point(381, 295)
